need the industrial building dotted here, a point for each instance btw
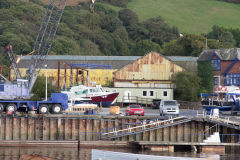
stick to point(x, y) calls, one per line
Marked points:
point(147, 78)
point(99, 69)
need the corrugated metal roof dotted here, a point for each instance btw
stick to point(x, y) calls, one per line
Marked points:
point(182, 58)
point(89, 58)
point(223, 54)
point(109, 58)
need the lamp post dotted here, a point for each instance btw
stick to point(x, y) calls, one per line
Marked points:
point(46, 82)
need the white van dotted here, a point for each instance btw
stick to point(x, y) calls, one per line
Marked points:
point(169, 107)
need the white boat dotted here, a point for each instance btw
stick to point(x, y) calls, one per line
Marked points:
point(95, 94)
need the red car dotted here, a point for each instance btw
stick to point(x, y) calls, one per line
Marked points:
point(134, 110)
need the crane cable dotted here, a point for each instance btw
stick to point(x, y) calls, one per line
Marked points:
point(91, 27)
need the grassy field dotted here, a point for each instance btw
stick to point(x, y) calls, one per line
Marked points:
point(192, 16)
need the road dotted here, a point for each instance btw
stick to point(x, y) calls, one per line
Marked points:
point(153, 112)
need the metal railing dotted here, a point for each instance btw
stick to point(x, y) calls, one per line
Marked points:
point(220, 120)
point(142, 126)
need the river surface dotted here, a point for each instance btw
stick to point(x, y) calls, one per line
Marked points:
point(59, 153)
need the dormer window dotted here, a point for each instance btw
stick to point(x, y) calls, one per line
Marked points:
point(216, 64)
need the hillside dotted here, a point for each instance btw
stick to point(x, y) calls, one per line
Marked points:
point(192, 16)
point(188, 15)
point(114, 30)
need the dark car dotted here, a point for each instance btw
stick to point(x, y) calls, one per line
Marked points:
point(156, 103)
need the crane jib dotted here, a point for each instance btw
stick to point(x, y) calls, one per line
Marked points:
point(45, 38)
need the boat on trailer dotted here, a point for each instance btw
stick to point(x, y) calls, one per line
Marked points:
point(94, 94)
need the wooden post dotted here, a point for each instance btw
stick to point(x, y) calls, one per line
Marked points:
point(74, 129)
point(30, 128)
point(77, 76)
point(187, 135)
point(89, 129)
point(67, 129)
point(23, 128)
point(45, 129)
point(95, 129)
point(180, 133)
point(200, 133)
point(193, 133)
point(166, 134)
point(53, 130)
point(71, 77)
point(9, 130)
point(65, 76)
point(16, 128)
point(58, 80)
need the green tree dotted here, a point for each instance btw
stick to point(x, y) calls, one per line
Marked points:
point(128, 17)
point(159, 31)
point(206, 73)
point(187, 86)
point(144, 46)
point(39, 89)
point(187, 45)
point(224, 36)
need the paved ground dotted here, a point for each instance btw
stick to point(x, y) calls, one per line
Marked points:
point(153, 112)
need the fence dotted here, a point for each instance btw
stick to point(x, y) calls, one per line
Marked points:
point(189, 105)
point(136, 100)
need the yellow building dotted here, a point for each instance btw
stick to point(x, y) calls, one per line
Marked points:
point(98, 76)
point(152, 68)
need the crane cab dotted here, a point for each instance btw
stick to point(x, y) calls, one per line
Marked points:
point(19, 89)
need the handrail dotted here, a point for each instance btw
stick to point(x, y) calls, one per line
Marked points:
point(145, 125)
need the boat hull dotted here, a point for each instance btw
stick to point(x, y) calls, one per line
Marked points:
point(221, 108)
point(221, 105)
point(104, 100)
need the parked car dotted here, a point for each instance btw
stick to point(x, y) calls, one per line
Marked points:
point(156, 103)
point(134, 110)
point(169, 107)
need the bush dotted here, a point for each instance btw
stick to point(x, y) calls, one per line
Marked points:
point(187, 86)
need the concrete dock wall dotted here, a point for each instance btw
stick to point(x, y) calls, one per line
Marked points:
point(88, 129)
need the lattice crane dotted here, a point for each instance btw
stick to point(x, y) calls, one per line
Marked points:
point(21, 88)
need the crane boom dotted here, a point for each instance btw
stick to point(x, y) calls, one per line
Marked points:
point(12, 58)
point(45, 38)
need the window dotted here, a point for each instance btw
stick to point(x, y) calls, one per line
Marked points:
point(151, 93)
point(216, 63)
point(232, 79)
point(216, 81)
point(145, 93)
point(164, 93)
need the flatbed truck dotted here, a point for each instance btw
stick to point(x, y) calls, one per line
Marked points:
point(55, 105)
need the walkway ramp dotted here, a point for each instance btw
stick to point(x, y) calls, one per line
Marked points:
point(140, 127)
point(220, 120)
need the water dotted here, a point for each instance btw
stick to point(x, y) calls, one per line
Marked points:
point(60, 153)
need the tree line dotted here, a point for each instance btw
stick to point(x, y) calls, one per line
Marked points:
point(104, 32)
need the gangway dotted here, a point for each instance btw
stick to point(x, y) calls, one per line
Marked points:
point(220, 120)
point(143, 126)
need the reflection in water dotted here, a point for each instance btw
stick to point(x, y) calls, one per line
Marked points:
point(60, 153)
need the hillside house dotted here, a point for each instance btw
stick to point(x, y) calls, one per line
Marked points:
point(226, 65)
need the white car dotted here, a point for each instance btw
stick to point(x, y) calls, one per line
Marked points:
point(169, 107)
